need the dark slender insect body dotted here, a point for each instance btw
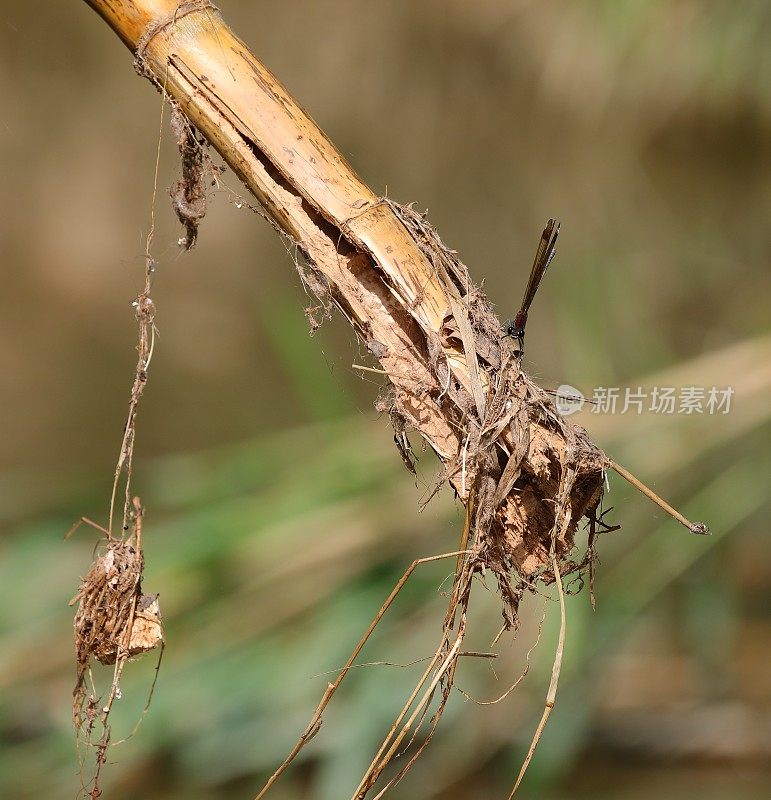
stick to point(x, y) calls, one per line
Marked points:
point(547, 248)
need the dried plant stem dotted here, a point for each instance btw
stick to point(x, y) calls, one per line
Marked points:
point(90, 523)
point(447, 683)
point(368, 369)
point(377, 766)
point(400, 716)
point(460, 563)
point(459, 598)
point(694, 527)
point(315, 723)
point(561, 522)
point(551, 695)
point(408, 297)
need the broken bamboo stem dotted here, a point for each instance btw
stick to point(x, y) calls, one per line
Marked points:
point(453, 377)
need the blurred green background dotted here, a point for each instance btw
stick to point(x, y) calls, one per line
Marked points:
point(278, 512)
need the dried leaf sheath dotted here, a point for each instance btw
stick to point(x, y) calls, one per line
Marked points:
point(408, 297)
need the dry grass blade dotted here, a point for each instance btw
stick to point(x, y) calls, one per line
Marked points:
point(460, 313)
point(694, 527)
point(551, 695)
point(561, 521)
point(458, 604)
point(314, 725)
point(378, 766)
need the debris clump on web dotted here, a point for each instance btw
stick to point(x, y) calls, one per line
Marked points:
point(114, 618)
point(188, 195)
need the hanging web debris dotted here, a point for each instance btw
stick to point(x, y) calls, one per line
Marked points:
point(188, 195)
point(114, 620)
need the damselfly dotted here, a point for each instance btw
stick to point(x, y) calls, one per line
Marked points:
point(547, 247)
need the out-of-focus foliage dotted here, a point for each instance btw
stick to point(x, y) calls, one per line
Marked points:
point(269, 565)
point(278, 514)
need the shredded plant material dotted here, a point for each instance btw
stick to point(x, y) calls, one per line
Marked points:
point(188, 195)
point(114, 620)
